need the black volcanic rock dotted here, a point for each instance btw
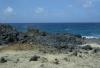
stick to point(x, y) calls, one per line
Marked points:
point(87, 47)
point(3, 60)
point(34, 58)
point(9, 34)
point(6, 28)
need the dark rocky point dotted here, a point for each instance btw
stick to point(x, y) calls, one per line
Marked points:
point(56, 61)
point(34, 58)
point(3, 60)
point(51, 43)
point(87, 47)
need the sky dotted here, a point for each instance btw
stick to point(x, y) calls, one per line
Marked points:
point(43, 11)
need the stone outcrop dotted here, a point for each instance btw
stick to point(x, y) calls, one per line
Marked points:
point(9, 34)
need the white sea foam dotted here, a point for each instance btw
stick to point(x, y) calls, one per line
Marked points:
point(91, 37)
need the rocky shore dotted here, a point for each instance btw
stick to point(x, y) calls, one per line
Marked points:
point(45, 41)
point(9, 34)
point(39, 49)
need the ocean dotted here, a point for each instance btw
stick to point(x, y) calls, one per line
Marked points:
point(88, 30)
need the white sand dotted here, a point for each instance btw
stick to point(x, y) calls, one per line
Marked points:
point(94, 45)
point(87, 61)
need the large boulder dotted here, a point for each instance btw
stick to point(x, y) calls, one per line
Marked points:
point(3, 60)
point(8, 34)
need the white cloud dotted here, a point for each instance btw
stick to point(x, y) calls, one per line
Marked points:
point(39, 10)
point(88, 3)
point(9, 11)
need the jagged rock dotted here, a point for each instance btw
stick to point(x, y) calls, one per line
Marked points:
point(3, 60)
point(34, 58)
point(59, 42)
point(56, 61)
point(7, 34)
point(87, 47)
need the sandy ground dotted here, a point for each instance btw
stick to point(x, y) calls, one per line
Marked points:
point(92, 44)
point(20, 59)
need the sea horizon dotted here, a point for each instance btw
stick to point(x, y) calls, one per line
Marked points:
point(88, 30)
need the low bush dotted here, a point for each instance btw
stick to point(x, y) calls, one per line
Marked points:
point(3, 60)
point(34, 58)
point(56, 61)
point(87, 47)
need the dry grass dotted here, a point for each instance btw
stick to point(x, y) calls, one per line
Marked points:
point(19, 47)
point(24, 52)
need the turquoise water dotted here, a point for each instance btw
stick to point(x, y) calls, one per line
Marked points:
point(84, 29)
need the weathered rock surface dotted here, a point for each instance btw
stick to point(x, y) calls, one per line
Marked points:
point(9, 34)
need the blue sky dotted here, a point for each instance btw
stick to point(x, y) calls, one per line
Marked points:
point(38, 11)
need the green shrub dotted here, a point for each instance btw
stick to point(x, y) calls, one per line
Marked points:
point(87, 47)
point(3, 60)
